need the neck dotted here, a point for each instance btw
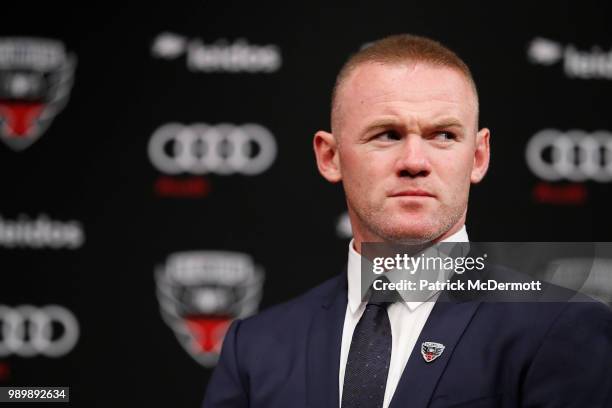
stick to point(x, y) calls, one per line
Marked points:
point(358, 239)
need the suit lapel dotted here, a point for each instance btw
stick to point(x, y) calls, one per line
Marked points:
point(323, 350)
point(445, 325)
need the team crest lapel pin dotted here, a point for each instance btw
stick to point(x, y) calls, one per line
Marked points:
point(430, 350)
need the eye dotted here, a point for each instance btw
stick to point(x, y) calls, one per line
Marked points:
point(388, 135)
point(445, 136)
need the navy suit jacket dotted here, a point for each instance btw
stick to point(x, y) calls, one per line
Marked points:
point(496, 355)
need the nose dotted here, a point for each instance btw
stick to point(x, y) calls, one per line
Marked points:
point(412, 160)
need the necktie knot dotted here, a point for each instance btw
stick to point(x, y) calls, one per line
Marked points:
point(383, 296)
point(377, 304)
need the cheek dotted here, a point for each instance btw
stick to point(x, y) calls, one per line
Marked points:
point(455, 174)
point(361, 170)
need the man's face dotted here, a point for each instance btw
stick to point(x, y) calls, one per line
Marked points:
point(406, 148)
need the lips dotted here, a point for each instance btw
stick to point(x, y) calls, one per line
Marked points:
point(411, 193)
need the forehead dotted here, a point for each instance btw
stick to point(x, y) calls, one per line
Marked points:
point(419, 90)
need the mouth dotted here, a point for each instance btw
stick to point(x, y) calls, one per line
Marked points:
point(411, 193)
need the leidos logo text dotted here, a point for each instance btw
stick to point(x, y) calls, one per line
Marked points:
point(40, 233)
point(219, 56)
point(594, 63)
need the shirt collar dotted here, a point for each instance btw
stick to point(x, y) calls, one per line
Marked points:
point(354, 272)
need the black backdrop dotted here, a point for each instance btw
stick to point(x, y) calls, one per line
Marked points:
point(537, 67)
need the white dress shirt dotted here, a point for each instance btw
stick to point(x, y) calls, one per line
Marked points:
point(407, 321)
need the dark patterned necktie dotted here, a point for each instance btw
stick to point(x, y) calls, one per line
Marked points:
point(368, 361)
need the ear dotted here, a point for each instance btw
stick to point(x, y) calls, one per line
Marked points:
point(481, 156)
point(326, 152)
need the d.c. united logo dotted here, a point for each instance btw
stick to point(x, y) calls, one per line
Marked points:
point(36, 76)
point(430, 350)
point(200, 293)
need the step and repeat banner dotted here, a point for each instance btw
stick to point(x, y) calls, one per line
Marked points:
point(158, 180)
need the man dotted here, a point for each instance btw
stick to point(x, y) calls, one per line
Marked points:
point(406, 146)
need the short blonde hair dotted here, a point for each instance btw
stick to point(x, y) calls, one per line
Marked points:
point(399, 49)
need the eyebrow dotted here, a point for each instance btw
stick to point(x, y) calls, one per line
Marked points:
point(444, 122)
point(382, 123)
point(447, 122)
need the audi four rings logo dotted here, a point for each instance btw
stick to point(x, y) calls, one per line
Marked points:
point(573, 155)
point(28, 331)
point(224, 149)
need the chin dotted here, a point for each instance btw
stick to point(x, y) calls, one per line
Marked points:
point(410, 233)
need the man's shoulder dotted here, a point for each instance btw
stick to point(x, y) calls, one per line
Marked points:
point(296, 311)
point(584, 308)
point(540, 320)
point(533, 316)
point(549, 303)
